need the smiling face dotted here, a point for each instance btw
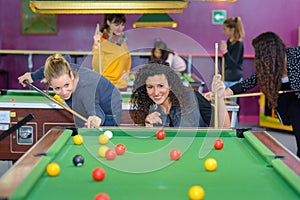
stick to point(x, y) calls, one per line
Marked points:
point(116, 28)
point(63, 86)
point(158, 89)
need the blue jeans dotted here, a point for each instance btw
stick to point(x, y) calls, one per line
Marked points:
point(231, 83)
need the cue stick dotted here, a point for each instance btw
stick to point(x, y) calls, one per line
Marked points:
point(99, 51)
point(260, 93)
point(223, 68)
point(216, 124)
point(55, 101)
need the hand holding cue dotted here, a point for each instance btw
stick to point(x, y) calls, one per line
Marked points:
point(54, 100)
point(216, 124)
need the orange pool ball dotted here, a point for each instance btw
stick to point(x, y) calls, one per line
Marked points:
point(210, 164)
point(78, 139)
point(196, 192)
point(53, 169)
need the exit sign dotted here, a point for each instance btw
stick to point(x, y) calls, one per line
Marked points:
point(218, 16)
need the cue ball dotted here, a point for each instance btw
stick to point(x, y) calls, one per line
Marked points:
point(218, 144)
point(120, 149)
point(101, 196)
point(78, 160)
point(78, 139)
point(108, 133)
point(196, 192)
point(160, 134)
point(103, 139)
point(98, 174)
point(175, 154)
point(210, 164)
point(53, 169)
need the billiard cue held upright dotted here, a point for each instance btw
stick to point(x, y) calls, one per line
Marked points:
point(99, 51)
point(216, 124)
point(223, 68)
point(54, 100)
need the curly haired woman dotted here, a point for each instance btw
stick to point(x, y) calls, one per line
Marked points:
point(277, 68)
point(160, 99)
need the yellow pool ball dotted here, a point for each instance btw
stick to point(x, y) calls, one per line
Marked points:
point(210, 164)
point(196, 192)
point(58, 98)
point(103, 139)
point(78, 139)
point(53, 169)
point(102, 150)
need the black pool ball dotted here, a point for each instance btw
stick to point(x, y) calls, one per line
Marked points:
point(78, 160)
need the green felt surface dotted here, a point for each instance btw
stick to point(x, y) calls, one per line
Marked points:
point(146, 171)
point(24, 96)
point(33, 96)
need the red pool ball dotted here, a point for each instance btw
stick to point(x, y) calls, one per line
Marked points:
point(110, 154)
point(218, 144)
point(175, 154)
point(160, 134)
point(98, 174)
point(101, 196)
point(120, 149)
point(12, 100)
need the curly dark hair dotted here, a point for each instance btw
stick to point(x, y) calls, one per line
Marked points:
point(141, 102)
point(270, 55)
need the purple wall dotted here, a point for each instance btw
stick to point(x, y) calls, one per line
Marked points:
point(75, 34)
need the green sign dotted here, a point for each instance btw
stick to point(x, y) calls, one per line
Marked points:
point(218, 16)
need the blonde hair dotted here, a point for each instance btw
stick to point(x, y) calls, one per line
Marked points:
point(56, 66)
point(236, 23)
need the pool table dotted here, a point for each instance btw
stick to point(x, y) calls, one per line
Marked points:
point(251, 166)
point(16, 104)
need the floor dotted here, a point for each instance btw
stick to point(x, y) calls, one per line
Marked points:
point(285, 138)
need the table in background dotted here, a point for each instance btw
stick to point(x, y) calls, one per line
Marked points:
point(248, 168)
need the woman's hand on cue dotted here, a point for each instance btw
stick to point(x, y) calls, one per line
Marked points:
point(97, 38)
point(93, 122)
point(26, 76)
point(218, 86)
point(153, 118)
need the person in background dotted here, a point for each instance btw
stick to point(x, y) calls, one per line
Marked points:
point(160, 99)
point(85, 91)
point(114, 62)
point(233, 51)
point(277, 68)
point(160, 52)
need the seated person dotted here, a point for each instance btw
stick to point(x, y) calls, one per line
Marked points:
point(160, 52)
point(85, 91)
point(159, 98)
